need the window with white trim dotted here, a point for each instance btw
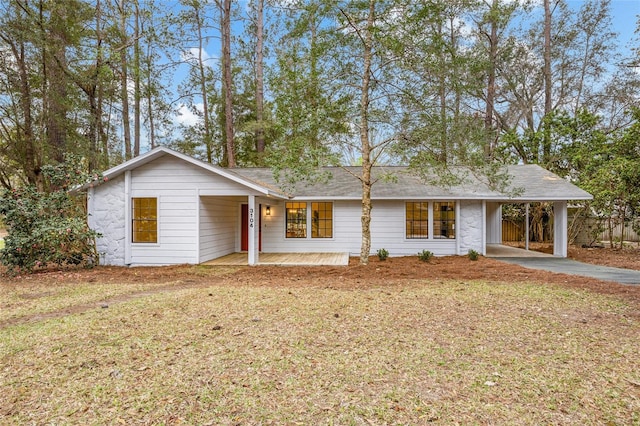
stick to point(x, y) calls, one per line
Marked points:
point(144, 220)
point(417, 219)
point(444, 219)
point(299, 215)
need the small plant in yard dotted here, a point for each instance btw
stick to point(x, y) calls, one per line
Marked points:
point(473, 255)
point(383, 254)
point(425, 255)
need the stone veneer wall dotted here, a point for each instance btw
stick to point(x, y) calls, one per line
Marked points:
point(470, 226)
point(108, 219)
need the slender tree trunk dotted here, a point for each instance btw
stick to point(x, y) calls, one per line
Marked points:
point(103, 140)
point(546, 147)
point(31, 164)
point(149, 93)
point(491, 85)
point(314, 91)
point(365, 144)
point(55, 81)
point(227, 82)
point(203, 87)
point(442, 96)
point(136, 81)
point(260, 144)
point(124, 80)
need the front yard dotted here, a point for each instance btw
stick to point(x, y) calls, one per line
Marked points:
point(397, 342)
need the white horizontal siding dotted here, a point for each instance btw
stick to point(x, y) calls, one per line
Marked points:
point(177, 232)
point(219, 229)
point(170, 174)
point(387, 231)
point(177, 185)
point(346, 231)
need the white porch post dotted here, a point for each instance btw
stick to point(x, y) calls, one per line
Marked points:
point(526, 227)
point(494, 223)
point(252, 223)
point(560, 228)
point(127, 217)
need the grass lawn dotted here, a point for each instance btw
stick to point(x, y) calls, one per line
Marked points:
point(1, 243)
point(411, 352)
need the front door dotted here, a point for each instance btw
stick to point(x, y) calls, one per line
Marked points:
point(244, 240)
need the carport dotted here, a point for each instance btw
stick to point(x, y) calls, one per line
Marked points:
point(531, 186)
point(494, 228)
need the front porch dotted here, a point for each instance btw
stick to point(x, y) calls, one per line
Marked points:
point(283, 259)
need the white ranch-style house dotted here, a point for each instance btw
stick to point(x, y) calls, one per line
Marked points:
point(164, 208)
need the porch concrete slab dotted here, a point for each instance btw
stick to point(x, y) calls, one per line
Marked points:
point(499, 250)
point(568, 266)
point(284, 259)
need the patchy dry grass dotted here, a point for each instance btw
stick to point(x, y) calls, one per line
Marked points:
point(38, 295)
point(410, 353)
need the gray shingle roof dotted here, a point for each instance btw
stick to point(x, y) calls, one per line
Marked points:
point(530, 183)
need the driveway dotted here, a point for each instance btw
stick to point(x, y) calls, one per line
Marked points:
point(547, 262)
point(568, 266)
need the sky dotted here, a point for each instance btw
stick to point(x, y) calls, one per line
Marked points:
point(625, 17)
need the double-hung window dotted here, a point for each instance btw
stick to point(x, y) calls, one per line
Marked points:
point(444, 219)
point(417, 220)
point(144, 220)
point(296, 220)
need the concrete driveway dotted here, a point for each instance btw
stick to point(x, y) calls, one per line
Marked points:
point(547, 262)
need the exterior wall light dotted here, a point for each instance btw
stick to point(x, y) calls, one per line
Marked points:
point(267, 211)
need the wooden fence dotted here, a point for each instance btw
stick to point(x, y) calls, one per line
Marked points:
point(512, 231)
point(629, 233)
point(515, 231)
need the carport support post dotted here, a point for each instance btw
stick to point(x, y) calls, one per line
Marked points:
point(252, 223)
point(560, 228)
point(526, 228)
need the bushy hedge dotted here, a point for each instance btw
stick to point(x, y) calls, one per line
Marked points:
point(46, 228)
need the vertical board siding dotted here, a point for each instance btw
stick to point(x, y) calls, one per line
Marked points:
point(219, 229)
point(107, 218)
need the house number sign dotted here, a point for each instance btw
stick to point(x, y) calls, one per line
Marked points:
point(250, 218)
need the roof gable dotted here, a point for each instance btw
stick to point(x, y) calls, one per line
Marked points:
point(159, 152)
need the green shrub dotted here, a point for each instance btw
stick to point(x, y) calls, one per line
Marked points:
point(473, 255)
point(383, 254)
point(425, 255)
point(46, 228)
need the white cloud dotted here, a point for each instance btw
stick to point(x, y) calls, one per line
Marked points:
point(191, 55)
point(186, 116)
